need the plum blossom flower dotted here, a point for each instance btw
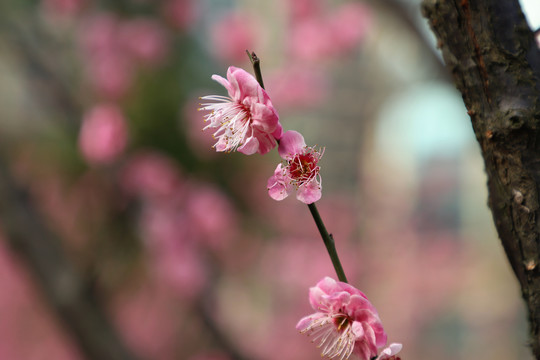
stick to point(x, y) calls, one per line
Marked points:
point(246, 120)
point(103, 134)
point(299, 172)
point(345, 322)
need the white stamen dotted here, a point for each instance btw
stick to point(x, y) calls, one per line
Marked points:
point(336, 340)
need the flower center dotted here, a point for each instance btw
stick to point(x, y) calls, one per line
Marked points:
point(342, 322)
point(303, 167)
point(232, 120)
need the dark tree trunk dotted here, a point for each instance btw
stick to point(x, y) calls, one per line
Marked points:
point(495, 63)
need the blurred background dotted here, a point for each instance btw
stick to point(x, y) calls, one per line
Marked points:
point(180, 247)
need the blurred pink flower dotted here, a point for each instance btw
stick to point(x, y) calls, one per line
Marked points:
point(246, 120)
point(302, 9)
point(97, 33)
point(145, 39)
point(110, 74)
point(300, 173)
point(108, 64)
point(103, 135)
point(181, 269)
point(345, 322)
point(63, 7)
point(180, 13)
point(348, 25)
point(318, 35)
point(176, 262)
point(213, 215)
point(143, 315)
point(151, 175)
point(164, 226)
point(310, 39)
point(231, 35)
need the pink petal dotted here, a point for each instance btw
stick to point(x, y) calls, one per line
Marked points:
point(358, 329)
point(310, 192)
point(264, 117)
point(223, 82)
point(361, 303)
point(246, 84)
point(307, 320)
point(266, 141)
point(328, 285)
point(391, 350)
point(316, 297)
point(292, 142)
point(278, 133)
point(369, 340)
point(250, 147)
point(278, 187)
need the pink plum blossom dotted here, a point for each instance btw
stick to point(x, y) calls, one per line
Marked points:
point(246, 120)
point(300, 170)
point(345, 322)
point(103, 134)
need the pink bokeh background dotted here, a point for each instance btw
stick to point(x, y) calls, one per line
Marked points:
point(193, 257)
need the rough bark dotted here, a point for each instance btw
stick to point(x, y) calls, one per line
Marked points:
point(491, 53)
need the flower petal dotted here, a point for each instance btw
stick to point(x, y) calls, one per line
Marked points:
point(278, 187)
point(250, 147)
point(391, 350)
point(246, 84)
point(227, 85)
point(264, 117)
point(306, 321)
point(309, 192)
point(292, 142)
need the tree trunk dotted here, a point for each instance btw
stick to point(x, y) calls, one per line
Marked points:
point(495, 63)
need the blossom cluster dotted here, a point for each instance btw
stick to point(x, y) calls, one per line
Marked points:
point(247, 122)
point(345, 323)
